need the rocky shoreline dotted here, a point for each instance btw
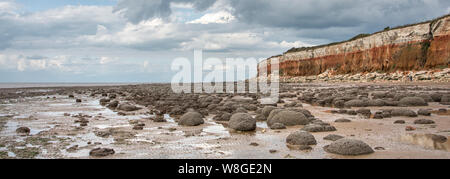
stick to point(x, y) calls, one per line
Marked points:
point(310, 120)
point(442, 75)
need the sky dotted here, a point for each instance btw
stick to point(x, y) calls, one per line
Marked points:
point(137, 40)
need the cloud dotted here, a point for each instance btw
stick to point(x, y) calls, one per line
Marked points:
point(221, 17)
point(141, 10)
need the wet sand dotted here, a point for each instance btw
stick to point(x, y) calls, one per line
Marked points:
point(54, 132)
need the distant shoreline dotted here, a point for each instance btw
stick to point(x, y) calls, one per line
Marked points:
point(44, 85)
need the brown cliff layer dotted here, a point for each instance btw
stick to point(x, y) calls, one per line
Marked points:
point(421, 46)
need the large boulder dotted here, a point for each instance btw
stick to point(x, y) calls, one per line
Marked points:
point(191, 119)
point(287, 117)
point(412, 101)
point(301, 138)
point(348, 147)
point(242, 122)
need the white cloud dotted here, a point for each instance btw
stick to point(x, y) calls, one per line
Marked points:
point(221, 17)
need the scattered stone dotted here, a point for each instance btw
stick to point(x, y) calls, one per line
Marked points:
point(438, 138)
point(424, 112)
point(101, 152)
point(277, 126)
point(410, 128)
point(242, 122)
point(254, 144)
point(272, 151)
point(399, 122)
point(191, 119)
point(324, 127)
point(113, 105)
point(23, 130)
point(159, 118)
point(305, 147)
point(342, 120)
point(333, 137)
point(348, 147)
point(266, 110)
point(78, 100)
point(412, 101)
point(301, 138)
point(403, 112)
point(138, 127)
point(423, 121)
point(127, 107)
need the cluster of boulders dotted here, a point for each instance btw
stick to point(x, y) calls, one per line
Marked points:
point(340, 145)
point(329, 76)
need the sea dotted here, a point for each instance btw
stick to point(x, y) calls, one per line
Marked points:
point(40, 85)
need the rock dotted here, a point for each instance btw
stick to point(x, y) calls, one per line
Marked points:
point(113, 105)
point(423, 121)
point(101, 152)
point(301, 138)
point(267, 109)
point(305, 147)
point(104, 101)
point(424, 112)
point(412, 101)
point(410, 128)
point(260, 117)
point(224, 117)
point(403, 112)
point(376, 102)
point(351, 112)
point(379, 148)
point(191, 119)
point(287, 117)
point(71, 96)
point(438, 138)
point(277, 126)
point(127, 107)
point(399, 122)
point(159, 118)
point(342, 120)
point(378, 115)
point(138, 127)
point(355, 103)
point(445, 99)
point(102, 133)
point(78, 100)
point(242, 122)
point(72, 149)
point(348, 147)
point(333, 137)
point(23, 130)
point(254, 144)
point(272, 151)
point(240, 110)
point(319, 128)
point(364, 112)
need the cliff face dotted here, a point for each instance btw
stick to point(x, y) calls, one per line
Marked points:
point(415, 47)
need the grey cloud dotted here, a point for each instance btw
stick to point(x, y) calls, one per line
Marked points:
point(138, 10)
point(336, 13)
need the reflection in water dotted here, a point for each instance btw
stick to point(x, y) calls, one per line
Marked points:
point(426, 140)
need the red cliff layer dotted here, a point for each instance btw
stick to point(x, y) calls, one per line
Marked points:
point(421, 46)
